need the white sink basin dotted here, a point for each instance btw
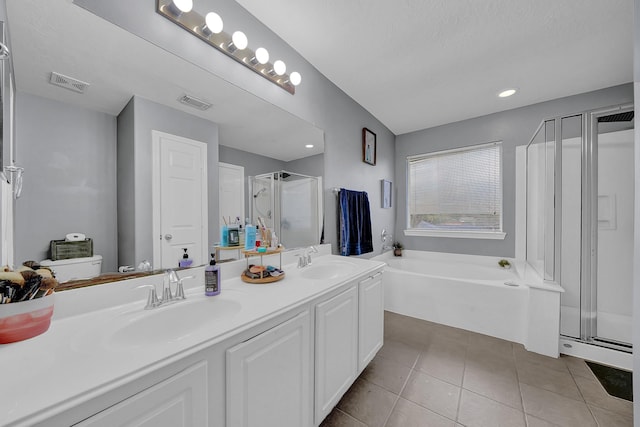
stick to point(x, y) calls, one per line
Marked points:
point(327, 270)
point(162, 325)
point(170, 323)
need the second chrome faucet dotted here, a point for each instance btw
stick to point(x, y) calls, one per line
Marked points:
point(305, 258)
point(170, 278)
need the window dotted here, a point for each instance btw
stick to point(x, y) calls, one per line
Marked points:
point(456, 193)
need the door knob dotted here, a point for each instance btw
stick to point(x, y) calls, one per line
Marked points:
point(168, 237)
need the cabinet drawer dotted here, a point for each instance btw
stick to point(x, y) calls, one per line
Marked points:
point(178, 401)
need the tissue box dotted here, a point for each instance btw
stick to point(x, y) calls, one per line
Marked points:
point(22, 320)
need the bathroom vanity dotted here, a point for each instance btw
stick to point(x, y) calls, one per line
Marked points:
point(280, 354)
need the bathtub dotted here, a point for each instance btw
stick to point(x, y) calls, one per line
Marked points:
point(464, 291)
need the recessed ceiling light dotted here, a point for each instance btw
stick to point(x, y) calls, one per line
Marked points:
point(506, 93)
point(308, 146)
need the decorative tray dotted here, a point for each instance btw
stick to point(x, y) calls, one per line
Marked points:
point(263, 280)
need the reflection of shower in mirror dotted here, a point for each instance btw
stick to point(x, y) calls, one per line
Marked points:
point(262, 205)
point(290, 204)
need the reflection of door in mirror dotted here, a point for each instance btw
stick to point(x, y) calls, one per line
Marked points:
point(231, 199)
point(179, 200)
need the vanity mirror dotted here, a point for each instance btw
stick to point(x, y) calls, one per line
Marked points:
point(67, 140)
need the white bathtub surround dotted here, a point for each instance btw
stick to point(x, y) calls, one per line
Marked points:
point(473, 293)
point(99, 350)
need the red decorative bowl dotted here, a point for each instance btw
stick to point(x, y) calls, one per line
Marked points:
point(22, 320)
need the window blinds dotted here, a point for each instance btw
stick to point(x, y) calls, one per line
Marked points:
point(456, 189)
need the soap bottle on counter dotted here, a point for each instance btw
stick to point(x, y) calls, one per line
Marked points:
point(185, 261)
point(249, 237)
point(212, 278)
point(258, 237)
point(224, 235)
point(241, 239)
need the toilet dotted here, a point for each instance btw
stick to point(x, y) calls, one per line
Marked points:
point(75, 268)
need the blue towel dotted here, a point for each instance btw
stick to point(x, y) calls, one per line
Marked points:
point(355, 223)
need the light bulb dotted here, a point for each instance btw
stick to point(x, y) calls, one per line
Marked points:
point(239, 40)
point(295, 78)
point(279, 67)
point(183, 6)
point(262, 55)
point(213, 23)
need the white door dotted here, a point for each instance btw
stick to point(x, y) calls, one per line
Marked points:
point(231, 182)
point(179, 200)
point(231, 199)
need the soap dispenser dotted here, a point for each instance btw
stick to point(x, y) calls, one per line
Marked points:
point(249, 237)
point(185, 261)
point(212, 278)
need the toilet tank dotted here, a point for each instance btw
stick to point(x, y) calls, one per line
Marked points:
point(75, 268)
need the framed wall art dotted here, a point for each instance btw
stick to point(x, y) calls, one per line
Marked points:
point(387, 193)
point(368, 147)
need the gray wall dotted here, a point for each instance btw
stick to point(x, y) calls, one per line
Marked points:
point(312, 165)
point(317, 100)
point(69, 156)
point(254, 164)
point(513, 127)
point(148, 116)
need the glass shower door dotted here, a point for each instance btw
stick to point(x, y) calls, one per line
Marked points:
point(299, 207)
point(540, 200)
point(614, 204)
point(580, 207)
point(570, 197)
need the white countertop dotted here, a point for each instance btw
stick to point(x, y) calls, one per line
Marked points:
point(72, 363)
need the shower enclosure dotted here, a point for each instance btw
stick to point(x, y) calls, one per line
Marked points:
point(580, 197)
point(290, 204)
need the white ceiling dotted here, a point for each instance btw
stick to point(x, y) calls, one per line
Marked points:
point(416, 64)
point(413, 64)
point(55, 35)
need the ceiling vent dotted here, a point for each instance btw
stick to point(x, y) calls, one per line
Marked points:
point(619, 117)
point(195, 102)
point(68, 82)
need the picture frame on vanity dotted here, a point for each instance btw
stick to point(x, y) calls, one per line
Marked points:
point(387, 193)
point(368, 147)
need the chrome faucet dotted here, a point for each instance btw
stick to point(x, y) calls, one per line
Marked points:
point(304, 259)
point(152, 299)
point(170, 278)
point(384, 236)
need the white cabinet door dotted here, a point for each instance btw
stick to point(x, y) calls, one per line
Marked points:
point(336, 350)
point(269, 377)
point(371, 318)
point(179, 401)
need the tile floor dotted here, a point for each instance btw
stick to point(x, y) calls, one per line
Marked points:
point(432, 375)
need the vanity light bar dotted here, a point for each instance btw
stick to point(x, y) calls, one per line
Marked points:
point(195, 24)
